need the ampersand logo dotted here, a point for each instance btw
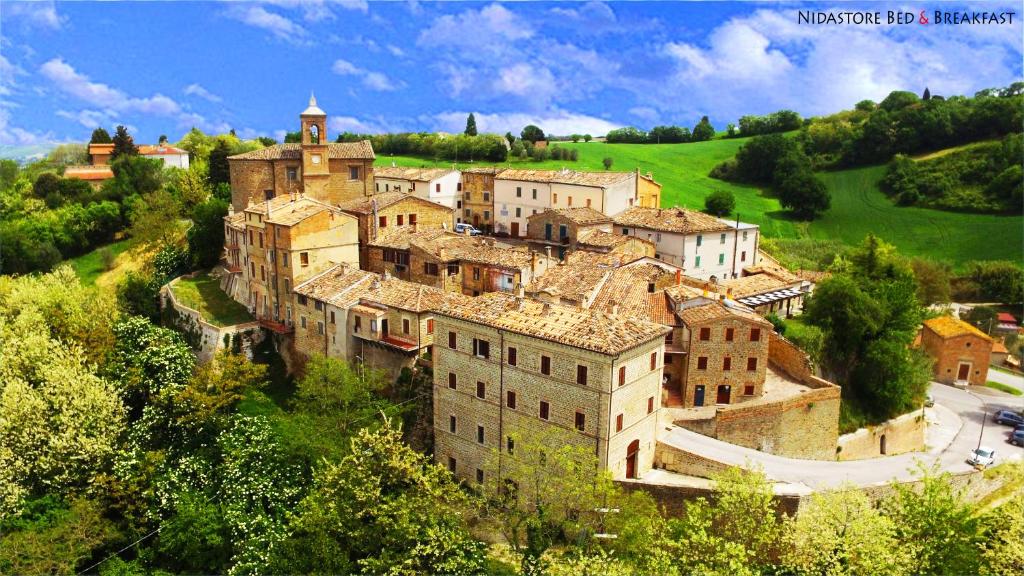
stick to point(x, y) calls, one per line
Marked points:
point(922, 19)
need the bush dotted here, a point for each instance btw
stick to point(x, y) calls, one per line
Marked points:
point(107, 257)
point(608, 161)
point(720, 203)
point(998, 280)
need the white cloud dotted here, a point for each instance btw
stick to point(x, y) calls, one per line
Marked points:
point(486, 29)
point(556, 122)
point(15, 136)
point(190, 119)
point(71, 82)
point(526, 80)
point(372, 80)
point(395, 51)
point(197, 90)
point(88, 118)
point(645, 113)
point(35, 14)
point(258, 17)
point(352, 124)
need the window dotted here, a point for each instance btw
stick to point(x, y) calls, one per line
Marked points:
point(332, 317)
point(481, 390)
point(287, 285)
point(468, 212)
point(430, 268)
point(430, 326)
point(453, 424)
point(722, 241)
point(554, 198)
point(405, 326)
point(452, 381)
point(263, 273)
point(252, 269)
point(727, 363)
point(458, 186)
point(743, 255)
point(382, 221)
point(250, 237)
point(373, 325)
point(563, 232)
point(510, 399)
point(570, 201)
point(487, 214)
point(581, 375)
point(729, 334)
point(261, 239)
point(618, 423)
point(412, 219)
point(293, 174)
point(669, 337)
point(479, 476)
point(353, 172)
point(284, 259)
point(304, 258)
point(451, 464)
point(705, 334)
point(487, 196)
point(511, 356)
point(437, 187)
point(654, 360)
point(319, 327)
point(545, 410)
point(318, 305)
point(534, 193)
point(702, 363)
point(748, 390)
point(581, 421)
point(267, 195)
point(481, 348)
point(479, 434)
point(400, 220)
point(510, 444)
point(650, 404)
point(696, 262)
point(453, 268)
point(458, 204)
point(358, 324)
point(588, 202)
point(751, 364)
point(452, 340)
point(476, 273)
point(622, 375)
point(721, 259)
point(755, 334)
point(700, 240)
point(519, 191)
point(545, 365)
point(519, 212)
point(302, 321)
point(625, 231)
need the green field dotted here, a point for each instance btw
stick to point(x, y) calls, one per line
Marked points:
point(89, 266)
point(858, 206)
point(203, 294)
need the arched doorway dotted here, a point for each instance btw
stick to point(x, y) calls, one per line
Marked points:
point(632, 455)
point(881, 444)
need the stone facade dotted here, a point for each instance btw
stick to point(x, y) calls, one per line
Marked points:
point(478, 198)
point(725, 360)
point(392, 212)
point(902, 434)
point(648, 192)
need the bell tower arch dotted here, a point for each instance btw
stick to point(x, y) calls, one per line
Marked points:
point(316, 170)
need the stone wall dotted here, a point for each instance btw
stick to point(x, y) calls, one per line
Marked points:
point(680, 461)
point(902, 434)
point(205, 338)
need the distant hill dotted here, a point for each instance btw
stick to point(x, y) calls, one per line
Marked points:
point(23, 154)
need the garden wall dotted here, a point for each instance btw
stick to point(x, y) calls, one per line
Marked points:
point(204, 338)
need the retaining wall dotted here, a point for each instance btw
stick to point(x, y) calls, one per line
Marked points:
point(205, 338)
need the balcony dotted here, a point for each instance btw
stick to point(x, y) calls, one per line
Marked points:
point(275, 326)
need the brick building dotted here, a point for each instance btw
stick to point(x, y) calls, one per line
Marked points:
point(439, 185)
point(327, 171)
point(505, 364)
point(478, 197)
point(287, 241)
point(388, 211)
point(705, 247)
point(961, 352)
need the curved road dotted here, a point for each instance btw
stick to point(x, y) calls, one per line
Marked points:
point(955, 425)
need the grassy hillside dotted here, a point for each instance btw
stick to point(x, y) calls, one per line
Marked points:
point(858, 206)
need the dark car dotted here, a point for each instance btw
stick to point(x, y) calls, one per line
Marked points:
point(1008, 417)
point(1017, 438)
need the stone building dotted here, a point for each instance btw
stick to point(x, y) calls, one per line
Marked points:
point(327, 171)
point(439, 185)
point(566, 230)
point(961, 352)
point(385, 212)
point(455, 262)
point(478, 197)
point(705, 247)
point(287, 241)
point(505, 365)
point(648, 192)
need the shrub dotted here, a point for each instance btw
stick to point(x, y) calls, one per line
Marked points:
point(720, 203)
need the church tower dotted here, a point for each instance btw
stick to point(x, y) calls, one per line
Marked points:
point(316, 170)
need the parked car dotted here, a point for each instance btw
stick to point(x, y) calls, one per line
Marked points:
point(1008, 417)
point(929, 400)
point(982, 457)
point(463, 228)
point(1017, 437)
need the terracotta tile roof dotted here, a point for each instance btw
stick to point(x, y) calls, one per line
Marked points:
point(714, 311)
point(602, 239)
point(597, 179)
point(757, 284)
point(89, 172)
point(628, 288)
point(346, 286)
point(577, 279)
point(683, 292)
point(486, 170)
point(362, 150)
point(157, 150)
point(404, 173)
point(765, 263)
point(678, 220)
point(1006, 317)
point(949, 327)
point(582, 216)
point(101, 148)
point(285, 211)
point(999, 348)
point(448, 246)
point(235, 219)
point(661, 309)
point(404, 237)
point(340, 285)
point(384, 199)
point(585, 329)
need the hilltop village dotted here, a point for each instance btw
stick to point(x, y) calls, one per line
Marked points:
point(538, 298)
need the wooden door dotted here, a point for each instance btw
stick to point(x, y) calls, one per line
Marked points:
point(963, 372)
point(515, 229)
point(632, 453)
point(698, 396)
point(723, 394)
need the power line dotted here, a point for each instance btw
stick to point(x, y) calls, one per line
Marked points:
point(118, 553)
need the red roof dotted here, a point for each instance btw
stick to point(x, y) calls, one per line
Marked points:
point(1006, 317)
point(147, 150)
point(88, 172)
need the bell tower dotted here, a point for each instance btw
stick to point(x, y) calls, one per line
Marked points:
point(315, 162)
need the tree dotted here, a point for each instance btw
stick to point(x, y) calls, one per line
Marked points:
point(720, 203)
point(382, 509)
point(927, 94)
point(576, 138)
point(47, 184)
point(703, 131)
point(206, 236)
point(219, 169)
point(532, 133)
point(293, 137)
point(841, 532)
point(100, 136)
point(266, 141)
point(470, 125)
point(804, 194)
point(149, 365)
point(56, 539)
point(124, 145)
point(1003, 542)
point(154, 218)
point(511, 139)
point(865, 106)
point(587, 137)
point(932, 278)
point(898, 100)
point(607, 162)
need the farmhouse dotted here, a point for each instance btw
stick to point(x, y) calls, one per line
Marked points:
point(961, 352)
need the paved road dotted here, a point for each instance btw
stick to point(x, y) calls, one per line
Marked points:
point(1008, 379)
point(957, 425)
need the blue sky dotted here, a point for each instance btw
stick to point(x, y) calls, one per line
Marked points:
point(163, 67)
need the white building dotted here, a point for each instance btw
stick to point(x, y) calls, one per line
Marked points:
point(439, 185)
point(519, 194)
point(172, 157)
point(703, 246)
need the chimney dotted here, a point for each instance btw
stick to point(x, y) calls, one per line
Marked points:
point(615, 309)
point(520, 290)
point(547, 251)
point(679, 277)
point(387, 275)
point(533, 263)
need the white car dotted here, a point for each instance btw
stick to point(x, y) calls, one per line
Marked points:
point(982, 457)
